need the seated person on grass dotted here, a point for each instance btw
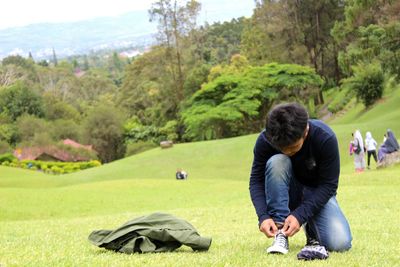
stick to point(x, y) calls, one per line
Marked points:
point(293, 183)
point(389, 146)
point(181, 174)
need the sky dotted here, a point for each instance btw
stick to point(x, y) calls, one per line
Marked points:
point(15, 13)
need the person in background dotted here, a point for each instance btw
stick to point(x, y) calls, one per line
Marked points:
point(370, 145)
point(181, 174)
point(358, 149)
point(389, 146)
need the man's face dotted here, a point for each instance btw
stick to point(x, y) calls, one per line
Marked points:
point(296, 146)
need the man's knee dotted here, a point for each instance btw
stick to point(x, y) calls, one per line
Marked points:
point(279, 162)
point(340, 239)
point(278, 168)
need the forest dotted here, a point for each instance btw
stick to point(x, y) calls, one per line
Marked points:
point(203, 82)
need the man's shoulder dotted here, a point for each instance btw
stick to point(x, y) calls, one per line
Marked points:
point(321, 129)
point(262, 143)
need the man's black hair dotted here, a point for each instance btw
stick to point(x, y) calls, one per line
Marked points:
point(286, 124)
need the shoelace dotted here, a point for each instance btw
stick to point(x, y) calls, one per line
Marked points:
point(280, 239)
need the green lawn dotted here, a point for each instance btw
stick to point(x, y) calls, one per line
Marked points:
point(45, 220)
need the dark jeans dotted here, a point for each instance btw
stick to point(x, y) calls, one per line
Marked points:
point(373, 153)
point(284, 193)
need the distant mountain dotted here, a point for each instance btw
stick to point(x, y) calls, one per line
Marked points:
point(130, 29)
point(77, 37)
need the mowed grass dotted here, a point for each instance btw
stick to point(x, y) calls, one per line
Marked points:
point(45, 220)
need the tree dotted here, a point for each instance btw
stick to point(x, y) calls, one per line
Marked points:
point(18, 99)
point(104, 130)
point(235, 102)
point(93, 85)
point(62, 129)
point(368, 33)
point(273, 35)
point(217, 43)
point(56, 109)
point(147, 90)
point(174, 23)
point(17, 68)
point(284, 31)
point(367, 82)
point(30, 126)
point(55, 61)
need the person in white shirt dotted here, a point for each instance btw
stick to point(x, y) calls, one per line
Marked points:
point(370, 145)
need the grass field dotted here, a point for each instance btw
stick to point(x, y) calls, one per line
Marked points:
point(45, 220)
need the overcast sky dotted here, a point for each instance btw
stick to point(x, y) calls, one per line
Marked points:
point(24, 12)
point(14, 13)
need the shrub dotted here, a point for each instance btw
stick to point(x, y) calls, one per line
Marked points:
point(54, 167)
point(7, 157)
point(170, 130)
point(367, 81)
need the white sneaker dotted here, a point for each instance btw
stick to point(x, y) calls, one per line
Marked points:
point(280, 244)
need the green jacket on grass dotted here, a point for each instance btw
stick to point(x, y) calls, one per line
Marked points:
point(157, 232)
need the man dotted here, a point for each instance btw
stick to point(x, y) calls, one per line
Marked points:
point(293, 182)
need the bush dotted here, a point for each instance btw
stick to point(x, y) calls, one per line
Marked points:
point(170, 130)
point(55, 167)
point(7, 157)
point(367, 81)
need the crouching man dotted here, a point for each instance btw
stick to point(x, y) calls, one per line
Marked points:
point(293, 183)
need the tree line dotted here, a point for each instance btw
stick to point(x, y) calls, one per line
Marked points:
point(202, 82)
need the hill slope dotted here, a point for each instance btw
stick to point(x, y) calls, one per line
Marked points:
point(55, 214)
point(219, 159)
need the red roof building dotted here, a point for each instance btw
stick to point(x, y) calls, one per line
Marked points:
point(53, 153)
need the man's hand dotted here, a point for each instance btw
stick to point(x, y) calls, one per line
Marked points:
point(268, 227)
point(291, 226)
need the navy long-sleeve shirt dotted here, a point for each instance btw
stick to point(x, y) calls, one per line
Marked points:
point(316, 165)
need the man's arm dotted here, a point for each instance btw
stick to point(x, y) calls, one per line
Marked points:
point(257, 179)
point(329, 169)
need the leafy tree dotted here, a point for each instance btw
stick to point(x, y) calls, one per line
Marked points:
point(56, 109)
point(285, 31)
point(17, 68)
point(367, 82)
point(195, 78)
point(234, 103)
point(217, 43)
point(30, 126)
point(18, 99)
point(369, 32)
point(62, 129)
point(104, 130)
point(8, 133)
point(273, 34)
point(147, 91)
point(374, 43)
point(59, 81)
point(93, 85)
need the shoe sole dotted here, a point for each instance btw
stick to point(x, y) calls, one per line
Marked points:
point(277, 251)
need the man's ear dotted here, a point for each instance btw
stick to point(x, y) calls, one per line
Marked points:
point(306, 131)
